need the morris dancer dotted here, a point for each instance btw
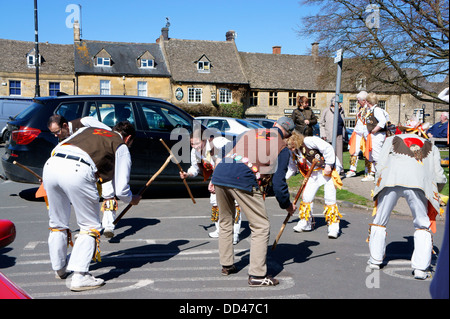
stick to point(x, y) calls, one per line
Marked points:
point(304, 150)
point(358, 139)
point(409, 167)
point(376, 122)
point(70, 177)
point(62, 129)
point(204, 155)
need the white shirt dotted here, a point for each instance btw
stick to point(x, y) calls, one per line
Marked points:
point(119, 186)
point(325, 148)
point(196, 156)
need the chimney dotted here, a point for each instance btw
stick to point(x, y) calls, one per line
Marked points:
point(276, 49)
point(165, 33)
point(76, 31)
point(230, 35)
point(315, 51)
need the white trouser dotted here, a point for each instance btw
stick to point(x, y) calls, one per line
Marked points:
point(71, 182)
point(377, 144)
point(109, 216)
point(316, 180)
point(358, 138)
point(387, 199)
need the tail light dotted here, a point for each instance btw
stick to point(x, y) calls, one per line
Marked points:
point(25, 135)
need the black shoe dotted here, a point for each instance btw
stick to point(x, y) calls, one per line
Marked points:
point(254, 281)
point(228, 270)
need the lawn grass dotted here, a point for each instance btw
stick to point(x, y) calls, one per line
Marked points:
point(344, 195)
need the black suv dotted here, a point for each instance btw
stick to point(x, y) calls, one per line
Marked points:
point(30, 142)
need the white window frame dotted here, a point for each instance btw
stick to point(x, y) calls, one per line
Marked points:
point(195, 95)
point(225, 96)
point(353, 107)
point(204, 66)
point(312, 99)
point(105, 87)
point(142, 88)
point(31, 60)
point(103, 61)
point(147, 63)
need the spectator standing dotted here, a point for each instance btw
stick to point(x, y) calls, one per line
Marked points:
point(303, 117)
point(327, 124)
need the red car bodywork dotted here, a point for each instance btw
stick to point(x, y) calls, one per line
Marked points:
point(9, 290)
point(7, 232)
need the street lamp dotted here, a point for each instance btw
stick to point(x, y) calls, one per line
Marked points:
point(37, 89)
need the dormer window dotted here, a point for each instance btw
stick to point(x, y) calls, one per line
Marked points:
point(103, 61)
point(146, 63)
point(31, 58)
point(204, 65)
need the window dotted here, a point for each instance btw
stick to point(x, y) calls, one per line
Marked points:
point(203, 66)
point(382, 104)
point(70, 111)
point(312, 99)
point(161, 118)
point(361, 84)
point(113, 112)
point(147, 63)
point(31, 59)
point(273, 98)
point(53, 88)
point(225, 96)
point(105, 87)
point(142, 88)
point(253, 98)
point(350, 123)
point(103, 61)
point(194, 95)
point(292, 99)
point(221, 125)
point(353, 107)
point(15, 88)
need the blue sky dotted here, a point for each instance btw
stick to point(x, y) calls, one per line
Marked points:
point(259, 24)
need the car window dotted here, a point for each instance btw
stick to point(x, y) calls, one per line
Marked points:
point(112, 112)
point(221, 125)
point(28, 112)
point(70, 111)
point(162, 118)
point(248, 124)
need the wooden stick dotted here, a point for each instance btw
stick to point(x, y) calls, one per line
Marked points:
point(300, 191)
point(28, 170)
point(180, 168)
point(143, 189)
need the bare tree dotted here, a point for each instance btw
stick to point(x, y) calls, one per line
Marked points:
point(402, 43)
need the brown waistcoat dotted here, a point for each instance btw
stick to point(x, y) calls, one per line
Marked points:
point(101, 146)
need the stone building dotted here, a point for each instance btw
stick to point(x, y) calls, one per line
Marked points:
point(18, 70)
point(193, 73)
